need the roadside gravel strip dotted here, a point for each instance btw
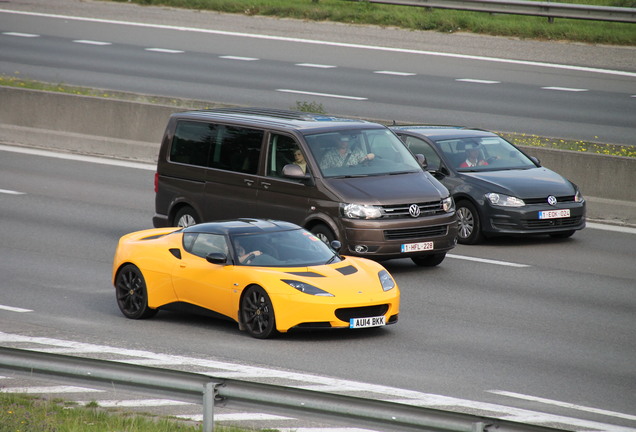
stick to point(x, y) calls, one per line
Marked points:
point(565, 53)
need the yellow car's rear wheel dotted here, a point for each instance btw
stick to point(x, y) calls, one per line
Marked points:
point(257, 313)
point(131, 292)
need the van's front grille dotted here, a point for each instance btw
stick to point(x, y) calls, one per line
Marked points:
point(402, 210)
point(419, 232)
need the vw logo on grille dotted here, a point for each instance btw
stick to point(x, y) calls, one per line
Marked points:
point(414, 210)
point(552, 200)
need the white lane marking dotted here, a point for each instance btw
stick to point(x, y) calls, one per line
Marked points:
point(408, 397)
point(317, 66)
point(165, 50)
point(322, 94)
point(616, 228)
point(11, 192)
point(396, 73)
point(563, 404)
point(25, 35)
point(565, 89)
point(92, 42)
point(229, 57)
point(135, 403)
point(237, 417)
point(14, 309)
point(48, 389)
point(327, 429)
point(81, 158)
point(478, 81)
point(488, 261)
point(328, 43)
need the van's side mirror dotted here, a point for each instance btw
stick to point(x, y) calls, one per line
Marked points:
point(216, 258)
point(421, 159)
point(295, 172)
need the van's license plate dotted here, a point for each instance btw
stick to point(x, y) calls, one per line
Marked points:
point(367, 322)
point(554, 214)
point(416, 247)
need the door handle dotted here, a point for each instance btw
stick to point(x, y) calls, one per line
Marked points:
point(248, 182)
point(266, 185)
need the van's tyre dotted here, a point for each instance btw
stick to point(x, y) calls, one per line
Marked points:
point(131, 293)
point(185, 217)
point(323, 233)
point(469, 225)
point(429, 260)
point(257, 313)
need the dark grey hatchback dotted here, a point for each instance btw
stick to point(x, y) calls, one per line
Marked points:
point(498, 189)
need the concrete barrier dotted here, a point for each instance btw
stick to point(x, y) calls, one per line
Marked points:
point(132, 129)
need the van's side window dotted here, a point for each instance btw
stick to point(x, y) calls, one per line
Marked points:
point(281, 153)
point(191, 143)
point(236, 149)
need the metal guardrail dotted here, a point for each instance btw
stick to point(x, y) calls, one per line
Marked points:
point(520, 7)
point(211, 389)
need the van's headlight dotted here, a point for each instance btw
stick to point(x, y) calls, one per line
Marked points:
point(504, 200)
point(448, 205)
point(386, 280)
point(360, 211)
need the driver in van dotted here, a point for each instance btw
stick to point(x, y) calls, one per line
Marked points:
point(342, 155)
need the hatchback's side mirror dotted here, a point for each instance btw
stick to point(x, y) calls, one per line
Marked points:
point(421, 159)
point(536, 161)
point(216, 258)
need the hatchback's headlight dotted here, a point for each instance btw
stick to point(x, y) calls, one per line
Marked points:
point(386, 280)
point(504, 200)
point(360, 211)
point(578, 197)
point(307, 288)
point(448, 205)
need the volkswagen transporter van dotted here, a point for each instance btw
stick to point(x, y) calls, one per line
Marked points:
point(342, 179)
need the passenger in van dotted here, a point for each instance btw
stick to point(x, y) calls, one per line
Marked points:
point(299, 160)
point(342, 155)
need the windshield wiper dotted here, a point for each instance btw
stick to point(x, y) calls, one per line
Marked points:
point(332, 259)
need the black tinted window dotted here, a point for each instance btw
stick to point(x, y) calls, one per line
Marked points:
point(191, 143)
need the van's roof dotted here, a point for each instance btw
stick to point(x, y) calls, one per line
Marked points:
point(282, 119)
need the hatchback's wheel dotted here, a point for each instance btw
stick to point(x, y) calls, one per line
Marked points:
point(132, 295)
point(469, 231)
point(429, 260)
point(323, 233)
point(185, 217)
point(257, 313)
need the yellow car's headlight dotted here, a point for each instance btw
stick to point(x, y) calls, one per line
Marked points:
point(307, 288)
point(386, 280)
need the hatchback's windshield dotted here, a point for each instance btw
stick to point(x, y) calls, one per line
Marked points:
point(294, 248)
point(361, 152)
point(483, 153)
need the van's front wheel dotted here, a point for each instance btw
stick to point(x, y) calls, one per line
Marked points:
point(323, 233)
point(185, 217)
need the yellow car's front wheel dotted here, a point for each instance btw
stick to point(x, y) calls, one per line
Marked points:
point(257, 313)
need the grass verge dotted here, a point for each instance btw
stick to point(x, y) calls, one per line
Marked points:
point(24, 413)
point(421, 18)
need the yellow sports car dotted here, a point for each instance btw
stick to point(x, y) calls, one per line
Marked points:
point(268, 276)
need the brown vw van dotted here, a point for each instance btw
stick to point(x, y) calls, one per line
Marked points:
point(342, 179)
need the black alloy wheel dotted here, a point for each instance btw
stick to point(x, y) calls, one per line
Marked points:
point(257, 313)
point(132, 295)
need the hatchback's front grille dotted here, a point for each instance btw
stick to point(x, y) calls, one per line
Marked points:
point(544, 200)
point(402, 210)
point(419, 232)
point(345, 314)
point(552, 223)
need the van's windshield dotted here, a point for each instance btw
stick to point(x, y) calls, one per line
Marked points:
point(361, 152)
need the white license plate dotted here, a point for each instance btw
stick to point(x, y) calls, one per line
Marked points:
point(554, 214)
point(416, 247)
point(367, 322)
